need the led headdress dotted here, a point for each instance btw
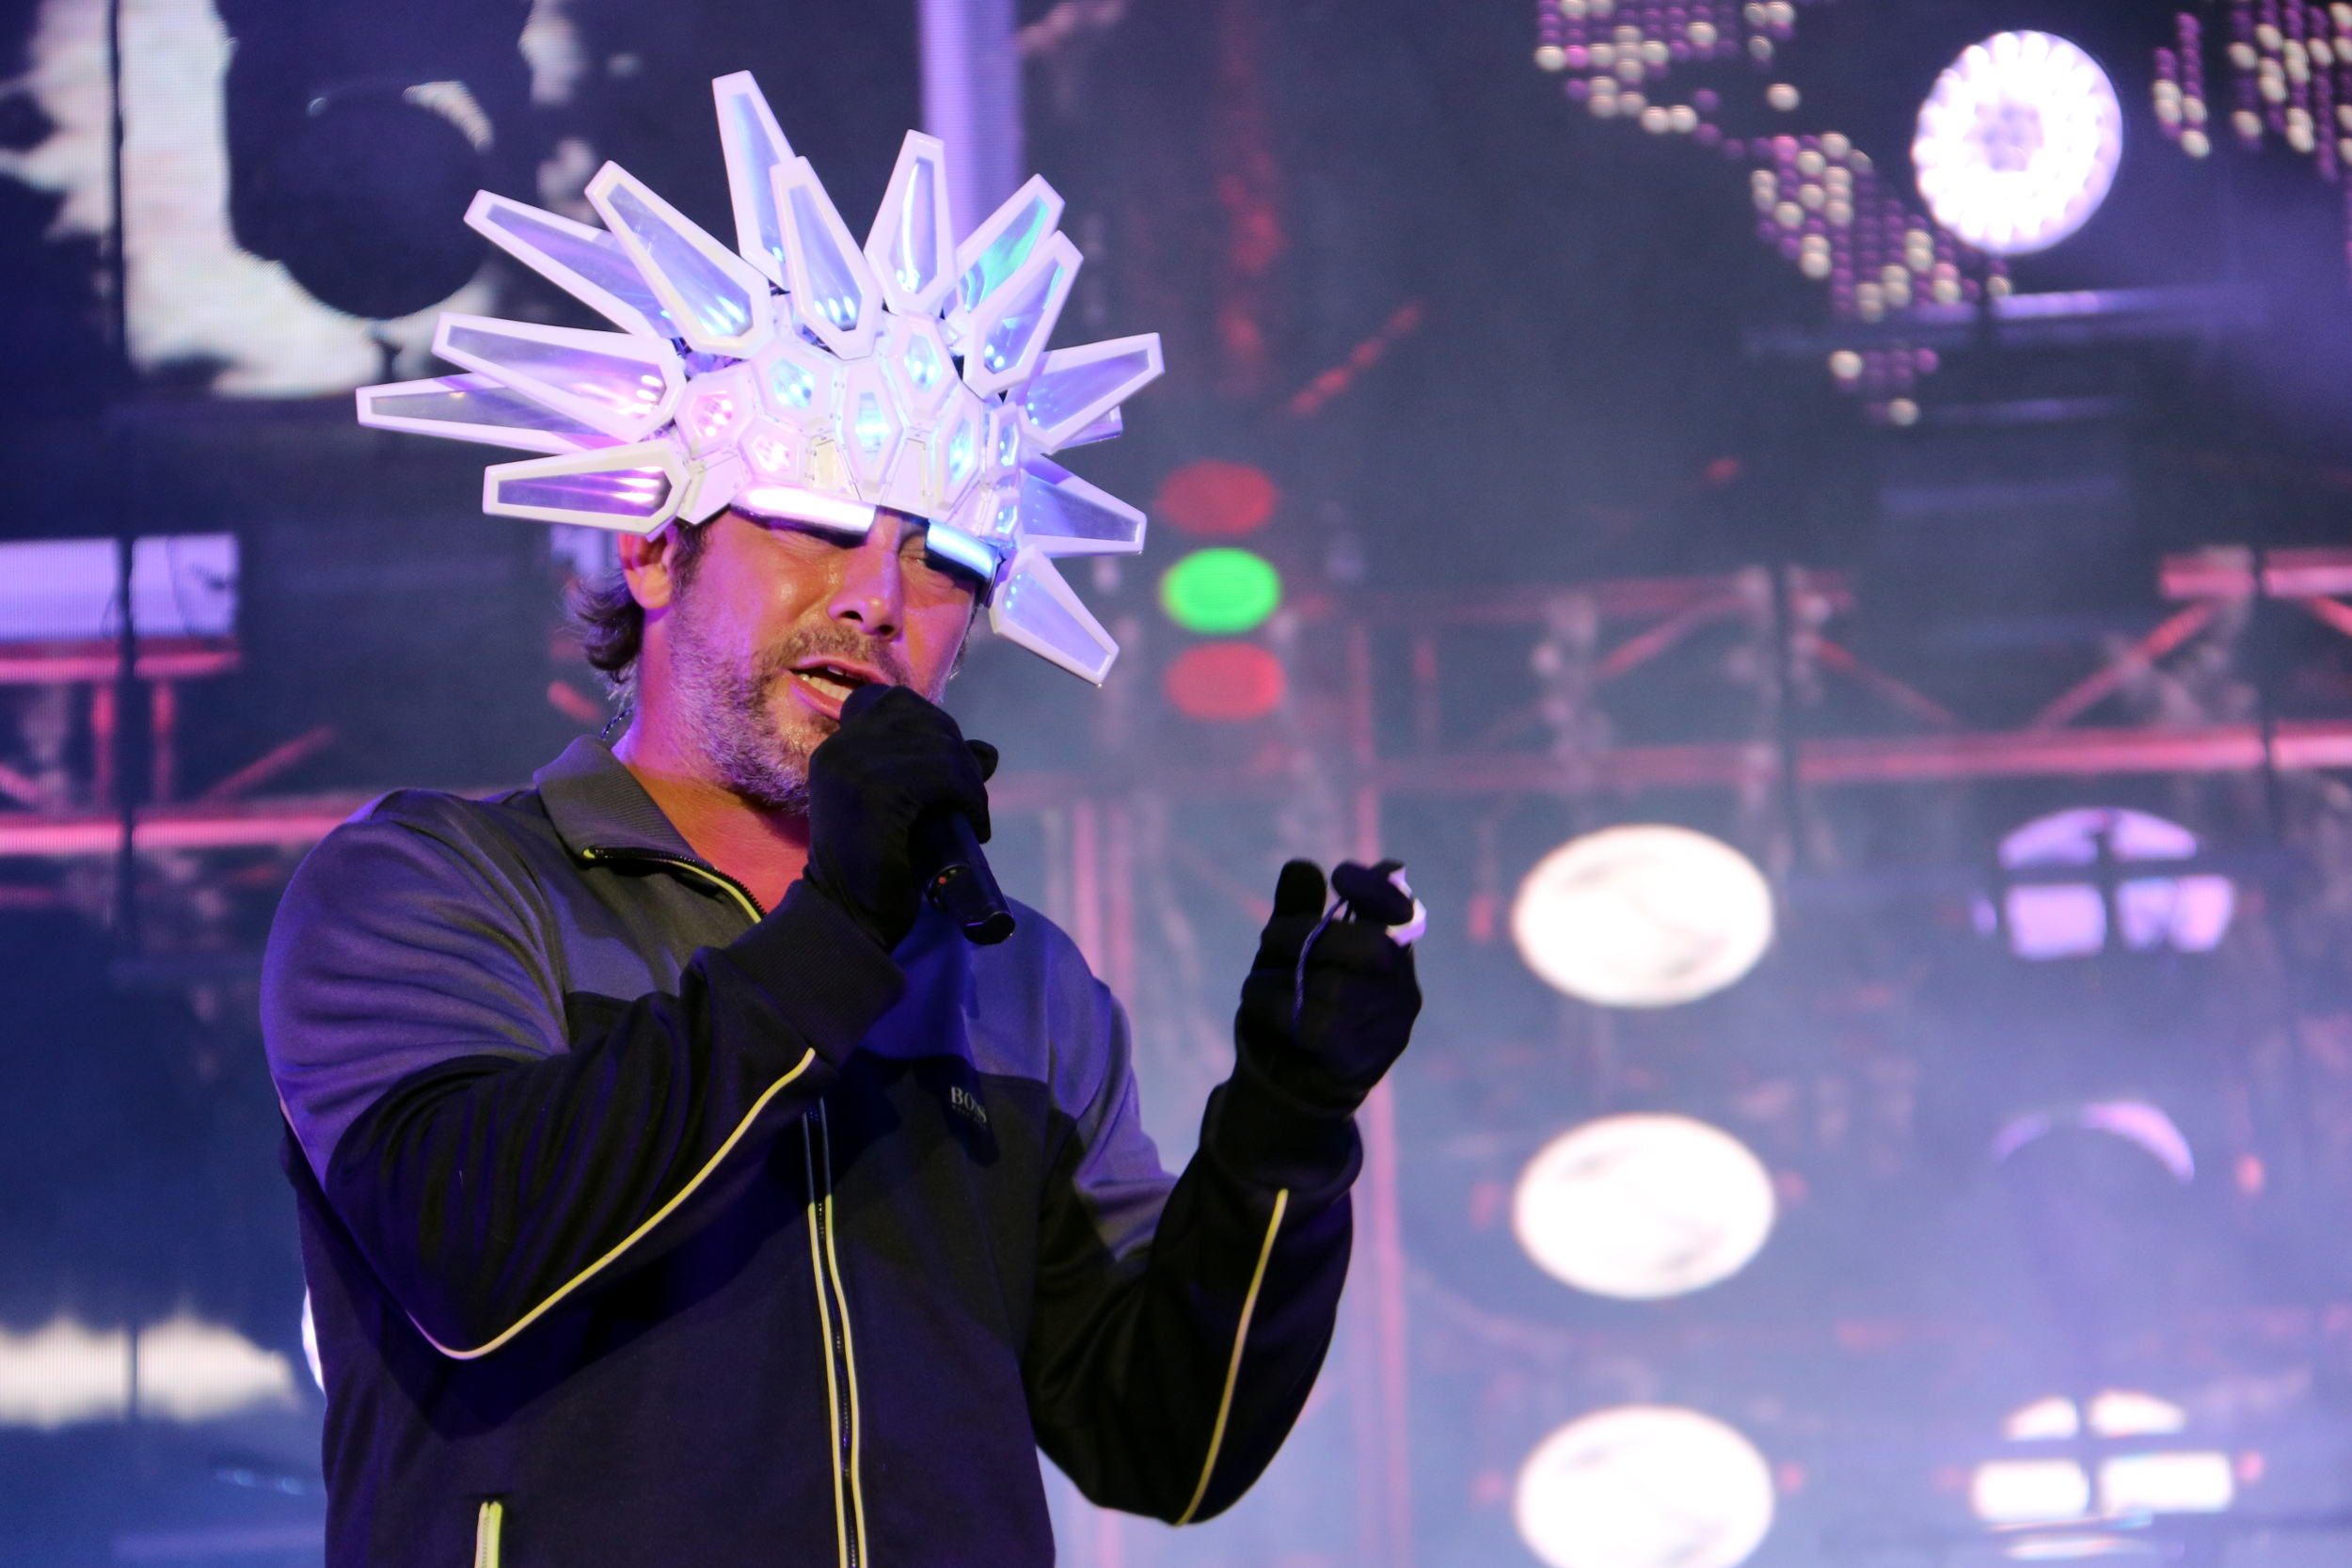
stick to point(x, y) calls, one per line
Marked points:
point(798, 377)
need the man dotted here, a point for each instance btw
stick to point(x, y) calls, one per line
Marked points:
point(676, 1185)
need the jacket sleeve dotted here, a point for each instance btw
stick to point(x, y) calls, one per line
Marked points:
point(491, 1150)
point(1176, 1333)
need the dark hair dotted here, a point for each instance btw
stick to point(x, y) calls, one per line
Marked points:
point(608, 620)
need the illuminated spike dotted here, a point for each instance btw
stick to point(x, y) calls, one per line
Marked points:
point(1006, 336)
point(1063, 515)
point(833, 291)
point(473, 407)
point(587, 263)
point(755, 146)
point(1109, 428)
point(634, 489)
point(615, 382)
point(718, 300)
point(912, 248)
point(992, 253)
point(1075, 387)
point(1034, 608)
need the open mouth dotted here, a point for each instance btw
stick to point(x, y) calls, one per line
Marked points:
point(829, 682)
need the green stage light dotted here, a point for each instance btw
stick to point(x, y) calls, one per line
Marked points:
point(1221, 592)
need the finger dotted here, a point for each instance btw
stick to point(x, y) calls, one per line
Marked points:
point(1299, 890)
point(1371, 894)
point(986, 755)
point(1358, 947)
point(858, 704)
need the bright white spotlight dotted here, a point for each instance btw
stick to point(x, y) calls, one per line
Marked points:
point(1643, 916)
point(2199, 1481)
point(2029, 1491)
point(1643, 1207)
point(2018, 143)
point(1644, 1486)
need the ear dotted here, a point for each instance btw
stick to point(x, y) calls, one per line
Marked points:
point(648, 566)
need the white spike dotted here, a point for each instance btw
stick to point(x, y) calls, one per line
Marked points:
point(753, 145)
point(718, 300)
point(912, 248)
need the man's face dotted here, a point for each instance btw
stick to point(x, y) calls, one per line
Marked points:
point(777, 623)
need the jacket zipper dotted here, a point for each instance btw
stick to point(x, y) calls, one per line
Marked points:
point(833, 1303)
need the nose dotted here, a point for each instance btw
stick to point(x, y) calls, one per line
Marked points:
point(871, 593)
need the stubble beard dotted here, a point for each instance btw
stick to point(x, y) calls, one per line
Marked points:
point(741, 711)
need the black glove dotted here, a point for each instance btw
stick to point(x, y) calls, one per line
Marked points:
point(1327, 1040)
point(895, 757)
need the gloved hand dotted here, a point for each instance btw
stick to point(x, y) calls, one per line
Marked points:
point(1326, 1034)
point(895, 757)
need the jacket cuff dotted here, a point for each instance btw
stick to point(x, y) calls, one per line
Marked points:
point(1268, 1137)
point(831, 980)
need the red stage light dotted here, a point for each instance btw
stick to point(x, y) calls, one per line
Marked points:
point(1215, 500)
point(1225, 682)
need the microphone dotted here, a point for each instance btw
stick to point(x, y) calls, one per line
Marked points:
point(956, 878)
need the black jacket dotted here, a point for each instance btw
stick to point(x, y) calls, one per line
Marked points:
point(643, 1229)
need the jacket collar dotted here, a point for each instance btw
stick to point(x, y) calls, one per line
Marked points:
point(597, 806)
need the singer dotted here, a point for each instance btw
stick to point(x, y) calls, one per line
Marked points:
point(675, 1184)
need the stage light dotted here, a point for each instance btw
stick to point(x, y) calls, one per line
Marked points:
point(189, 1370)
point(2046, 1491)
point(63, 590)
point(1643, 916)
point(63, 1373)
point(2193, 1482)
point(194, 1372)
point(1644, 1486)
point(1221, 592)
point(2135, 1121)
point(2065, 920)
point(1215, 500)
point(1225, 682)
point(2114, 1412)
point(2018, 142)
point(1643, 1207)
point(2028, 1491)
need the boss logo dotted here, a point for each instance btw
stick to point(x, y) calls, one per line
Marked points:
point(967, 1104)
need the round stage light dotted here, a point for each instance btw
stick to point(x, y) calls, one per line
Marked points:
point(2065, 920)
point(1644, 1486)
point(2018, 143)
point(1225, 682)
point(1643, 1207)
point(1221, 593)
point(1215, 500)
point(1643, 916)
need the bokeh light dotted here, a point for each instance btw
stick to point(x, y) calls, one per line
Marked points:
point(1643, 916)
point(1221, 591)
point(1215, 499)
point(2066, 920)
point(1644, 1486)
point(2018, 142)
point(1225, 682)
point(1643, 1207)
point(2051, 1490)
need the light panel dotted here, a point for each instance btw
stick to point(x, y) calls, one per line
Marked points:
point(1643, 1207)
point(1643, 916)
point(2018, 142)
point(1644, 1486)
